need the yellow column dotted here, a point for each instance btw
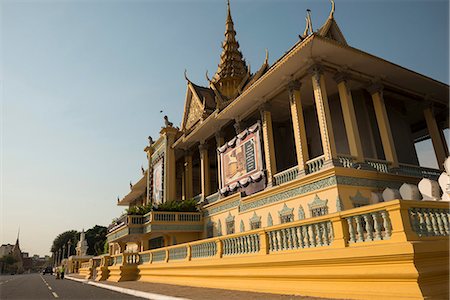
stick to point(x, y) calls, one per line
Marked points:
point(269, 147)
point(183, 183)
point(204, 167)
point(170, 189)
point(323, 113)
point(149, 151)
point(219, 142)
point(348, 113)
point(383, 124)
point(298, 124)
point(436, 137)
point(188, 175)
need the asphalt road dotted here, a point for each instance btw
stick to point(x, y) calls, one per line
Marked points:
point(37, 286)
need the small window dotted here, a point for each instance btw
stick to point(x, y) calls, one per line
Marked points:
point(255, 225)
point(319, 211)
point(230, 227)
point(286, 218)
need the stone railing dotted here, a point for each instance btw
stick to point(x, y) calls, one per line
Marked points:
point(286, 175)
point(346, 161)
point(155, 216)
point(379, 165)
point(384, 222)
point(85, 265)
point(429, 221)
point(213, 197)
point(119, 223)
point(315, 164)
point(241, 244)
point(203, 249)
point(303, 236)
point(162, 216)
point(370, 226)
point(177, 253)
point(417, 171)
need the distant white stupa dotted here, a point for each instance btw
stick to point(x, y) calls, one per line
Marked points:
point(82, 245)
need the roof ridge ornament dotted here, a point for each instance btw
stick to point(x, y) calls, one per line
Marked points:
point(308, 26)
point(331, 16)
point(185, 76)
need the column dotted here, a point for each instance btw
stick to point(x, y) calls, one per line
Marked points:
point(269, 147)
point(348, 113)
point(149, 151)
point(323, 113)
point(384, 127)
point(298, 124)
point(220, 141)
point(170, 186)
point(189, 188)
point(204, 169)
point(436, 136)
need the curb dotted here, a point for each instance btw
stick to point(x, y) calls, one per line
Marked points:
point(131, 292)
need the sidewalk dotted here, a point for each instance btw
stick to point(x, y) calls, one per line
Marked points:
point(159, 291)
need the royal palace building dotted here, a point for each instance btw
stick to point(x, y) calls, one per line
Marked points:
point(299, 178)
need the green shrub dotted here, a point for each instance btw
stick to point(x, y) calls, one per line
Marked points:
point(189, 205)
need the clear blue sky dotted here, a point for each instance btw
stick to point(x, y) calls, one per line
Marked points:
point(83, 83)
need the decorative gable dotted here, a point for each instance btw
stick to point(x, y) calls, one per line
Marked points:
point(193, 109)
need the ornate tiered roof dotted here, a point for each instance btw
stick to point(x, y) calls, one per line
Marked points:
point(232, 69)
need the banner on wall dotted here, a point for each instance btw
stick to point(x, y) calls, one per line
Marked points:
point(241, 162)
point(158, 181)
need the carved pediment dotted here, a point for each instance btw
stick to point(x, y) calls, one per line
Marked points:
point(193, 109)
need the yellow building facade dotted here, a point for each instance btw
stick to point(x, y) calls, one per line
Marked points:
point(305, 178)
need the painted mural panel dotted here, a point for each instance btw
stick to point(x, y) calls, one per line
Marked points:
point(158, 182)
point(241, 160)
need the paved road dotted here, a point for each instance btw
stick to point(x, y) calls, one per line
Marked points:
point(36, 286)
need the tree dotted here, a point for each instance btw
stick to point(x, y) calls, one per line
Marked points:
point(7, 262)
point(62, 240)
point(96, 238)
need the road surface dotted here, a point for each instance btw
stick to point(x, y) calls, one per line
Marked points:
point(37, 286)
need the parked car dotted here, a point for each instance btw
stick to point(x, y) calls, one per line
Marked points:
point(47, 270)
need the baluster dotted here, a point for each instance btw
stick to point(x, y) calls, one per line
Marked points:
point(351, 230)
point(422, 225)
point(433, 222)
point(428, 222)
point(445, 220)
point(286, 238)
point(439, 222)
point(413, 219)
point(306, 235)
point(377, 225)
point(278, 239)
point(386, 223)
point(240, 245)
point(271, 248)
point(247, 244)
point(312, 236)
point(369, 227)
point(325, 233)
point(359, 229)
point(300, 237)
point(318, 231)
point(294, 237)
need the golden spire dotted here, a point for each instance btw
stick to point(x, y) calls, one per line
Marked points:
point(232, 68)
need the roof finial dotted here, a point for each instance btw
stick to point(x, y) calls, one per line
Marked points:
point(185, 75)
point(207, 77)
point(332, 10)
point(266, 61)
point(308, 26)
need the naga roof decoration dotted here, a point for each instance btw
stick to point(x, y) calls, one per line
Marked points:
point(331, 29)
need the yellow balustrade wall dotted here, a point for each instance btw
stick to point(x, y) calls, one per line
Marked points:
point(397, 249)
